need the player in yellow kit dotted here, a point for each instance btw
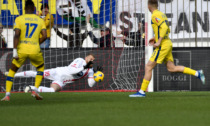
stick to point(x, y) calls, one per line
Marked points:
point(163, 50)
point(26, 45)
point(49, 22)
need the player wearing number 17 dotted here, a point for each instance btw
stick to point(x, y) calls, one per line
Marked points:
point(163, 50)
point(26, 45)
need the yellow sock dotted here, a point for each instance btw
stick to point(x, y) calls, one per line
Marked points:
point(189, 71)
point(144, 85)
point(9, 80)
point(39, 76)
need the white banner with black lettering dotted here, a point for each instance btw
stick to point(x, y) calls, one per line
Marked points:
point(181, 16)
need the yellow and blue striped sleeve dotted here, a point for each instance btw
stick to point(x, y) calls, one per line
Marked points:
point(163, 29)
point(157, 19)
point(161, 25)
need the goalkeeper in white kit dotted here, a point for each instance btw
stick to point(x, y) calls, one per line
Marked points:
point(61, 76)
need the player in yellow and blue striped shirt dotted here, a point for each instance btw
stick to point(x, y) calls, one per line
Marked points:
point(26, 45)
point(163, 50)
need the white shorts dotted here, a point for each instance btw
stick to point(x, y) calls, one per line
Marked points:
point(51, 74)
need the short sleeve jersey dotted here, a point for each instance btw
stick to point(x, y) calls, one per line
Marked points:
point(160, 25)
point(30, 26)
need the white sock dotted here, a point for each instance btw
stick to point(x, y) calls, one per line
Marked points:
point(34, 88)
point(26, 74)
point(7, 93)
point(196, 74)
point(46, 89)
point(142, 92)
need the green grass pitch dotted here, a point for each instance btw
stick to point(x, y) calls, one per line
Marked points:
point(107, 109)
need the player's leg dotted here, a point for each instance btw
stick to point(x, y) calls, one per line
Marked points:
point(9, 82)
point(158, 56)
point(147, 77)
point(182, 69)
point(40, 89)
point(26, 74)
point(39, 75)
point(50, 74)
point(16, 64)
point(55, 86)
point(38, 80)
point(37, 61)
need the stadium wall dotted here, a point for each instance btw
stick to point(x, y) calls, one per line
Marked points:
point(188, 20)
point(195, 58)
point(108, 58)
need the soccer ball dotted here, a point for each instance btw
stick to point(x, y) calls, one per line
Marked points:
point(98, 76)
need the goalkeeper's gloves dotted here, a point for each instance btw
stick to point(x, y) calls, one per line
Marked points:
point(15, 54)
point(99, 68)
point(89, 65)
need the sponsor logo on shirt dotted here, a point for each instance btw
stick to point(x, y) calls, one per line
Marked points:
point(157, 19)
point(74, 65)
point(28, 42)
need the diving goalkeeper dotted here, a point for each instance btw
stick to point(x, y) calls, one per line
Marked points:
point(61, 76)
point(163, 50)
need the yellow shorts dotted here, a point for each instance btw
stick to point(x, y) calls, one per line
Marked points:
point(163, 53)
point(36, 59)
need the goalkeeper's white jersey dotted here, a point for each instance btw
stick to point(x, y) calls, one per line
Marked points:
point(71, 73)
point(63, 75)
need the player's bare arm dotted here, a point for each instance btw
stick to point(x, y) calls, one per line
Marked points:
point(44, 36)
point(16, 40)
point(157, 44)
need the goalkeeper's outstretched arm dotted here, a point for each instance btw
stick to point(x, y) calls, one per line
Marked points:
point(76, 66)
point(91, 81)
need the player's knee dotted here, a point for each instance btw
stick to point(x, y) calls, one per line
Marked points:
point(171, 69)
point(14, 68)
point(57, 90)
point(55, 87)
point(148, 68)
